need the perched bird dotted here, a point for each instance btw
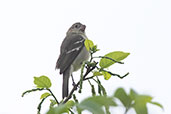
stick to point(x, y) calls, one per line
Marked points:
point(72, 54)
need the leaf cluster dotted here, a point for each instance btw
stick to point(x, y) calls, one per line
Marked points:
point(134, 100)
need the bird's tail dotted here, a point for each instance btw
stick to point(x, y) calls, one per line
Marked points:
point(65, 84)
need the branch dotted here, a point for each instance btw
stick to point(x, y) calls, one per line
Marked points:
point(119, 76)
point(40, 104)
point(32, 90)
point(89, 78)
point(53, 95)
point(89, 69)
point(109, 59)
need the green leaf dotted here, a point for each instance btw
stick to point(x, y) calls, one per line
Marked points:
point(58, 110)
point(93, 90)
point(140, 108)
point(97, 73)
point(88, 44)
point(94, 49)
point(103, 89)
point(123, 97)
point(42, 82)
point(157, 104)
point(143, 98)
point(132, 94)
point(53, 103)
point(62, 108)
point(117, 56)
point(44, 95)
point(70, 103)
point(91, 106)
point(140, 104)
point(94, 104)
point(106, 75)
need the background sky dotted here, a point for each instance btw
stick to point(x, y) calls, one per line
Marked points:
point(31, 32)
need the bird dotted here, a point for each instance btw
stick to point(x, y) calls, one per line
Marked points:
point(72, 54)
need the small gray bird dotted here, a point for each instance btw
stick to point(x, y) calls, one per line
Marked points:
point(72, 54)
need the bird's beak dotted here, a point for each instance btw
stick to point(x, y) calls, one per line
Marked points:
point(83, 27)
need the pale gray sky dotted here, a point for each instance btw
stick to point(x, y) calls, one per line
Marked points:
point(31, 33)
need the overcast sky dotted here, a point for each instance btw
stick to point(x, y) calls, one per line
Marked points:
point(31, 32)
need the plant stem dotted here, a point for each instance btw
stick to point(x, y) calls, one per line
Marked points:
point(81, 77)
point(126, 110)
point(91, 56)
point(109, 59)
point(113, 74)
point(53, 95)
point(118, 74)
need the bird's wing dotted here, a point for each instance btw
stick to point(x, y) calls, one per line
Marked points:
point(70, 48)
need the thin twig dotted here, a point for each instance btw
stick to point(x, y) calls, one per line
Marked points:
point(101, 86)
point(53, 95)
point(126, 110)
point(91, 56)
point(109, 59)
point(71, 111)
point(121, 77)
point(32, 90)
point(81, 77)
point(113, 74)
point(89, 78)
point(40, 105)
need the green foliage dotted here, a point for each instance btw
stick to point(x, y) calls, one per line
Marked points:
point(62, 108)
point(95, 104)
point(53, 103)
point(134, 100)
point(94, 49)
point(99, 102)
point(97, 73)
point(123, 97)
point(157, 104)
point(81, 77)
point(88, 44)
point(101, 89)
point(42, 82)
point(114, 57)
point(44, 95)
point(106, 75)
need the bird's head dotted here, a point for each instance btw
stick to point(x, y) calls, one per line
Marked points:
point(77, 28)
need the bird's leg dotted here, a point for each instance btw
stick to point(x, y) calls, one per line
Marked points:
point(73, 82)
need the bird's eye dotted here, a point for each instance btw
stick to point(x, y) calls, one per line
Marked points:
point(76, 26)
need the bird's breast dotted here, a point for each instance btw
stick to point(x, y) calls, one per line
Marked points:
point(83, 56)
